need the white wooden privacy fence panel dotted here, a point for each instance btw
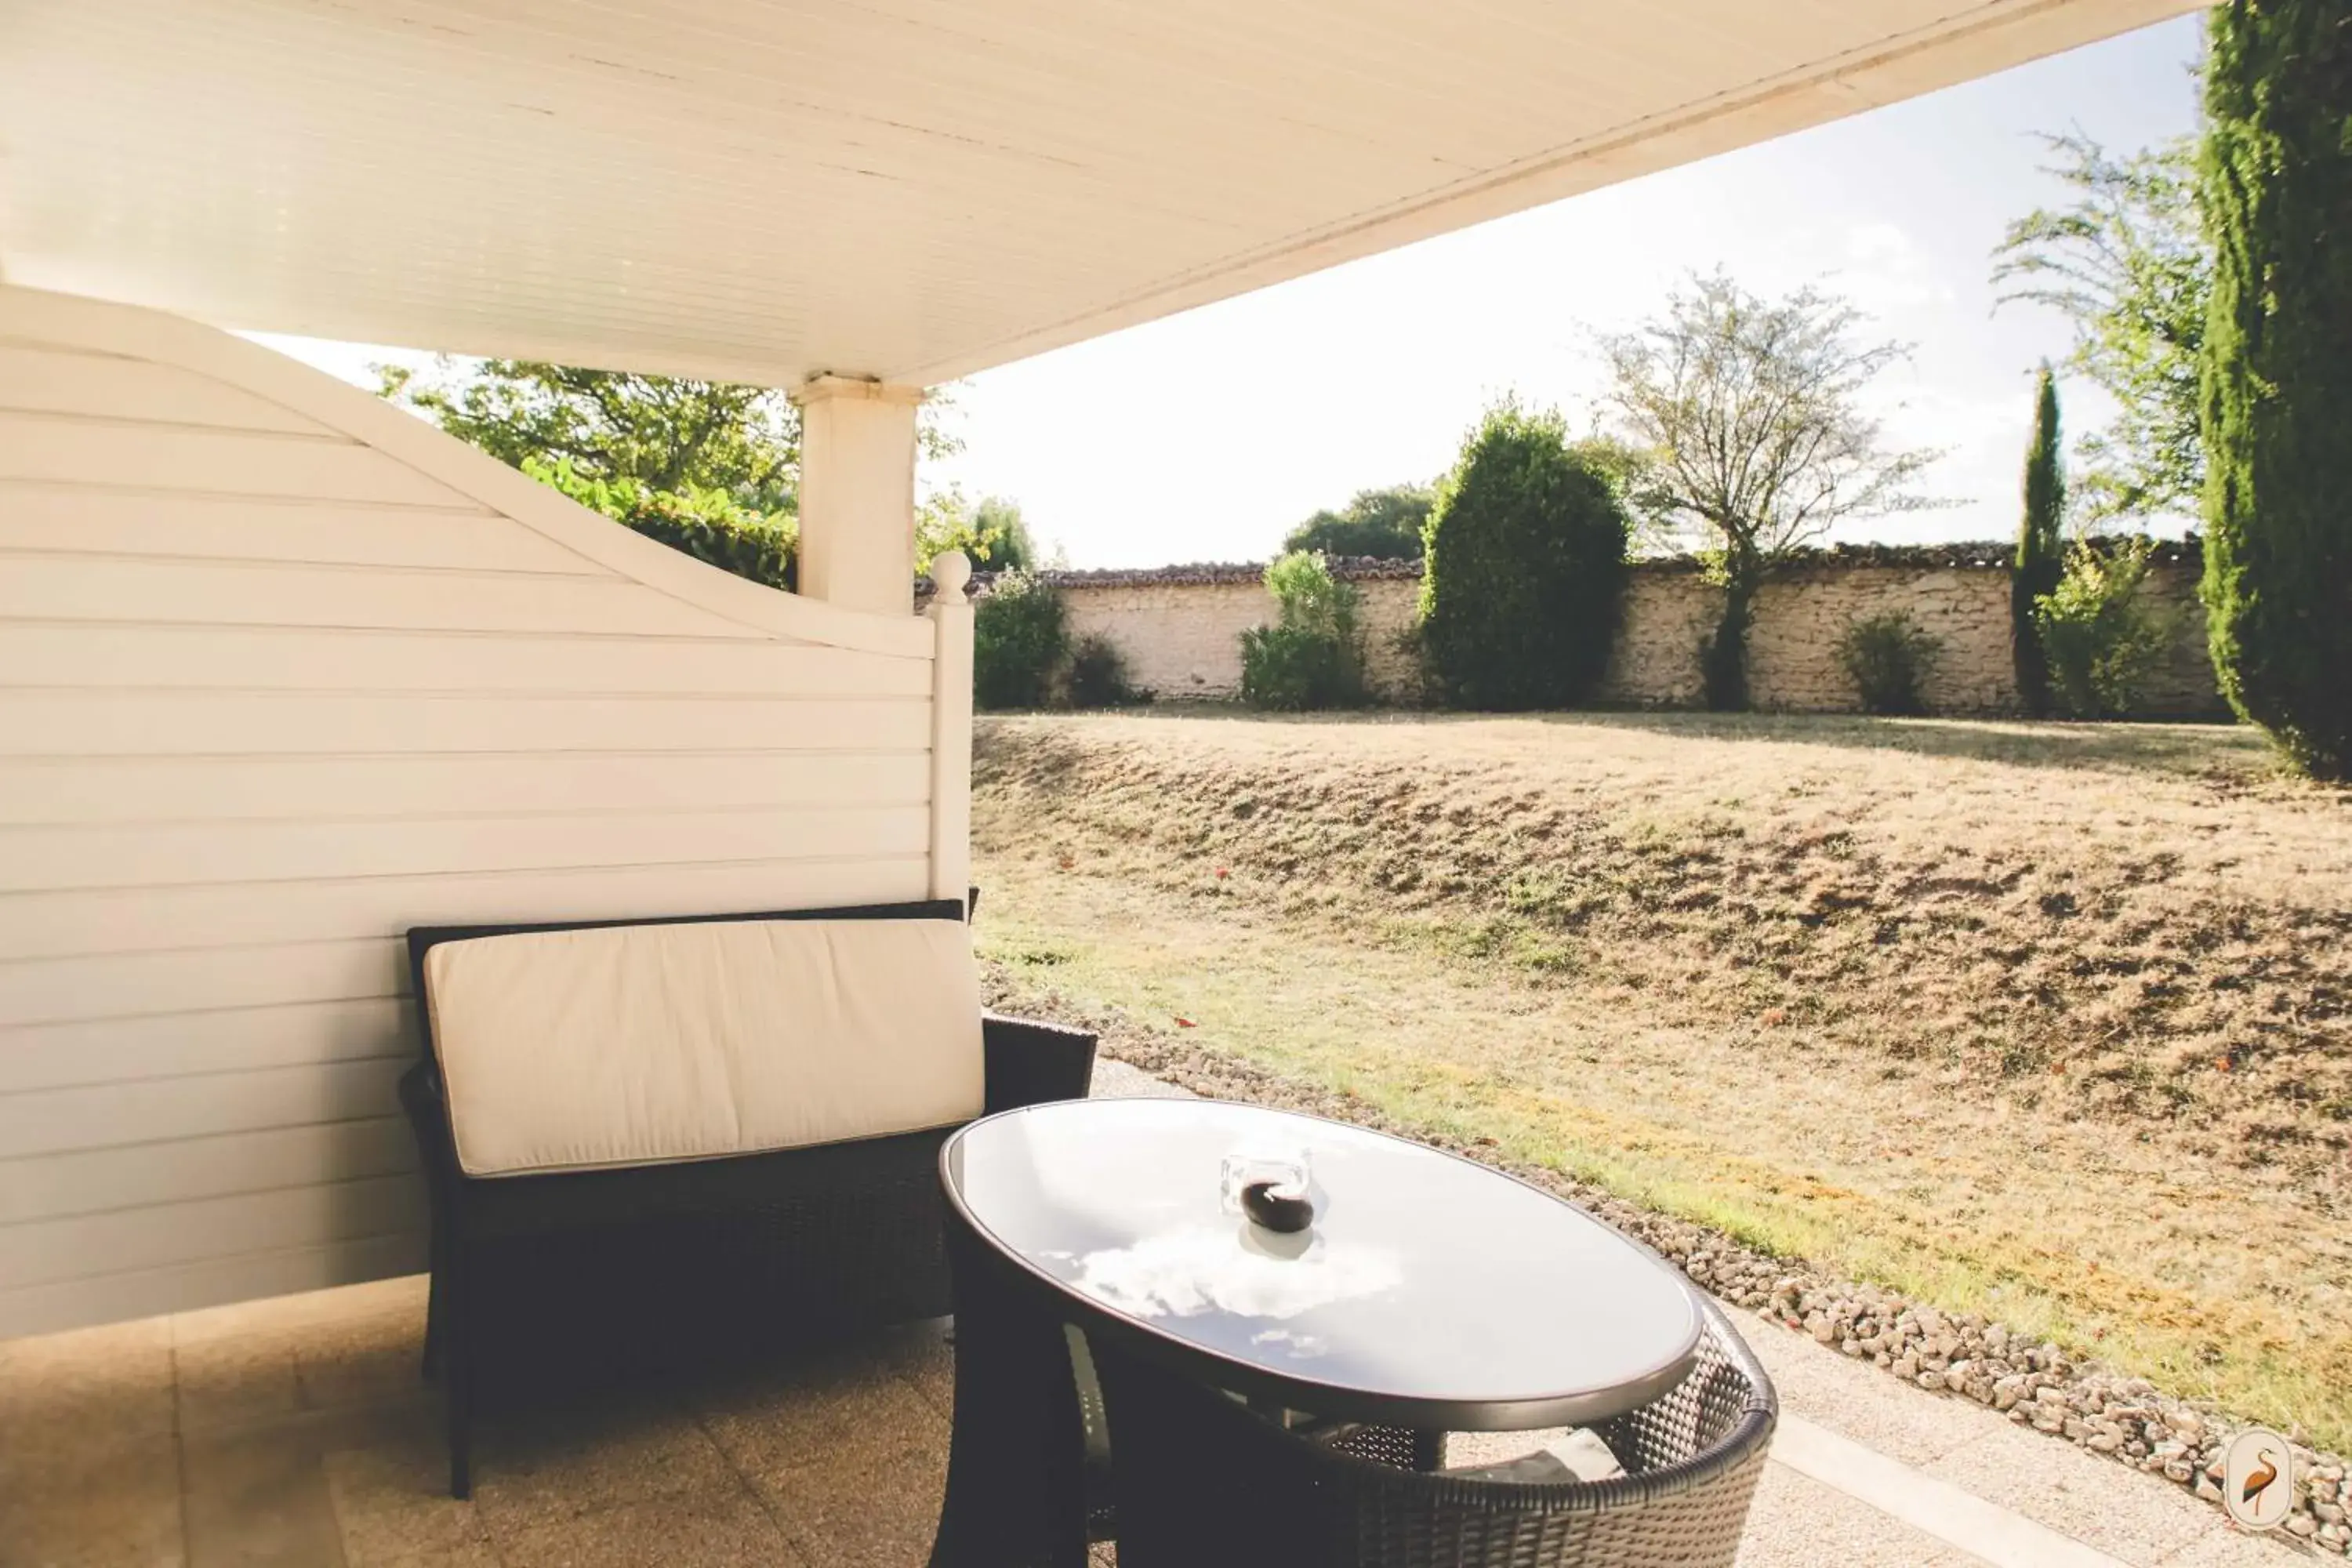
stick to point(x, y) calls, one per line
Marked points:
point(284, 671)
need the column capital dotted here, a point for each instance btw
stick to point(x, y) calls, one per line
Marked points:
point(826, 387)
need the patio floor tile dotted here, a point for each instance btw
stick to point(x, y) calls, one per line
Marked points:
point(1798, 1522)
point(473, 1555)
point(862, 1413)
point(92, 1506)
point(235, 1381)
point(93, 1387)
point(370, 1358)
point(393, 1505)
point(924, 1354)
point(538, 1466)
point(879, 1511)
point(727, 1529)
point(2139, 1520)
point(256, 1500)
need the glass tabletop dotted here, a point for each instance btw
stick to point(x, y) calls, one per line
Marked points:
point(1427, 1290)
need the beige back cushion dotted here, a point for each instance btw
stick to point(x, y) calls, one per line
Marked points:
point(635, 1045)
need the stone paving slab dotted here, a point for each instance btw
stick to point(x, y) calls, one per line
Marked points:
point(1798, 1521)
point(1950, 1514)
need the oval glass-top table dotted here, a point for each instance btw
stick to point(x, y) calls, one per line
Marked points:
point(1427, 1292)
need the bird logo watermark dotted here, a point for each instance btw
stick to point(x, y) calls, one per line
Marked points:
point(2257, 1479)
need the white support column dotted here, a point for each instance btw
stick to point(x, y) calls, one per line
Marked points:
point(858, 493)
point(951, 614)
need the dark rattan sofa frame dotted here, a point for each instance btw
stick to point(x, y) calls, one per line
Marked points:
point(661, 1265)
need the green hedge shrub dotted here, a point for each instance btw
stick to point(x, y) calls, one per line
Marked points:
point(711, 525)
point(2099, 638)
point(1313, 657)
point(1888, 658)
point(2276, 193)
point(1021, 635)
point(1525, 555)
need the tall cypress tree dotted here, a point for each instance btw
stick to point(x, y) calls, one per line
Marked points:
point(2276, 184)
point(2041, 550)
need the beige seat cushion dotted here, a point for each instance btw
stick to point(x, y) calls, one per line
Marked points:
point(637, 1045)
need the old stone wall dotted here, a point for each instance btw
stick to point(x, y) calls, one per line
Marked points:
point(1180, 628)
point(2182, 684)
point(1793, 649)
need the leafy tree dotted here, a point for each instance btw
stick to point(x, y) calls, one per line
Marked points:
point(992, 534)
point(2127, 262)
point(1384, 524)
point(1526, 553)
point(662, 432)
point(1632, 472)
point(1000, 529)
point(2277, 191)
point(2041, 546)
point(1752, 409)
point(1313, 655)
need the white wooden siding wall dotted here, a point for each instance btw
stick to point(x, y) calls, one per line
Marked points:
point(284, 671)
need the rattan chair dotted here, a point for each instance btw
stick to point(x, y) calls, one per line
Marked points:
point(1201, 1478)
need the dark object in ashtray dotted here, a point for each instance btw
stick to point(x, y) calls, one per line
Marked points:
point(1277, 1207)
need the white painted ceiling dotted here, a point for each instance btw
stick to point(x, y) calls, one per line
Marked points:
point(914, 189)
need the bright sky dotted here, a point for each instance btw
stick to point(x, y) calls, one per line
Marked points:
point(1206, 436)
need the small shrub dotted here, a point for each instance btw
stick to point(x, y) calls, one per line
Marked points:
point(1288, 669)
point(1021, 634)
point(1313, 657)
point(1526, 567)
point(1098, 674)
point(1888, 657)
point(2099, 639)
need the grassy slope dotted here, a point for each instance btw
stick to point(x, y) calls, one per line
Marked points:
point(2047, 1022)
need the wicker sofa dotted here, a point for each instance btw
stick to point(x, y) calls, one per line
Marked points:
point(654, 1143)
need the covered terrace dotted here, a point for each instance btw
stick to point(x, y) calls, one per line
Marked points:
point(284, 671)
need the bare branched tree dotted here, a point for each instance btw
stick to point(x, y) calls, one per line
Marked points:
point(1752, 410)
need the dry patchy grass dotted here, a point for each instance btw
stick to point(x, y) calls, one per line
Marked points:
point(2051, 1022)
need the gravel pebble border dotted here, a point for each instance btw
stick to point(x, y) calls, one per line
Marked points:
point(1959, 1355)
